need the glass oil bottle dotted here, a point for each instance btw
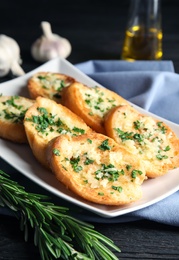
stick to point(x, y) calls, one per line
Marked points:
point(143, 36)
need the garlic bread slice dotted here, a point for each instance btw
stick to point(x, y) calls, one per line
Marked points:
point(45, 120)
point(12, 112)
point(49, 85)
point(153, 140)
point(96, 168)
point(91, 103)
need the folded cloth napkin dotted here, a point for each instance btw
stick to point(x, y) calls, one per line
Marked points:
point(152, 85)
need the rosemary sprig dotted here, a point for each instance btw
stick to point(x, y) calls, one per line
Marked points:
point(56, 234)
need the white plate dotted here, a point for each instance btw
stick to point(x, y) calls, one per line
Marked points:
point(21, 158)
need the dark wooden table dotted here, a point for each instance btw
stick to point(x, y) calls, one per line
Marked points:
point(95, 30)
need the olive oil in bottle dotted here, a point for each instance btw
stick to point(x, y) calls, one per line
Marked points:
point(143, 36)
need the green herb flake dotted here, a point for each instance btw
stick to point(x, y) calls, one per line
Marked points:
point(117, 188)
point(161, 157)
point(89, 141)
point(88, 161)
point(124, 135)
point(11, 102)
point(108, 172)
point(138, 137)
point(161, 127)
point(135, 173)
point(16, 118)
point(40, 77)
point(88, 102)
point(56, 152)
point(137, 124)
point(101, 193)
point(167, 148)
point(78, 130)
point(104, 145)
point(74, 162)
point(128, 167)
point(91, 113)
point(64, 168)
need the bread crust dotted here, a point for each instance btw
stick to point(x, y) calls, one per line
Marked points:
point(96, 168)
point(48, 85)
point(12, 112)
point(45, 120)
point(91, 104)
point(153, 140)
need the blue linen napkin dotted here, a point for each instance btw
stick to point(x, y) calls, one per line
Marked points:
point(152, 85)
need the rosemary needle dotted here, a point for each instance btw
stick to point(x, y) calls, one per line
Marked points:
point(56, 234)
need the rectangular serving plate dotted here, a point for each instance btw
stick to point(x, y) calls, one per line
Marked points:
point(22, 159)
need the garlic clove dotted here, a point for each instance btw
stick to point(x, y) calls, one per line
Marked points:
point(9, 55)
point(50, 45)
point(16, 69)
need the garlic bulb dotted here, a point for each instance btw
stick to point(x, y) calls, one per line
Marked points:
point(9, 56)
point(50, 45)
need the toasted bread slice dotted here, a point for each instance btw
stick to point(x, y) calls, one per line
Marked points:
point(12, 111)
point(91, 104)
point(49, 85)
point(96, 168)
point(45, 120)
point(153, 140)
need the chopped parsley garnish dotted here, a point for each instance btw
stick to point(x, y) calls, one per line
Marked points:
point(99, 104)
point(62, 85)
point(15, 117)
point(137, 124)
point(109, 172)
point(91, 113)
point(161, 127)
point(89, 141)
point(56, 152)
point(88, 161)
point(161, 157)
point(128, 167)
point(104, 145)
point(88, 102)
point(74, 163)
point(42, 77)
point(118, 188)
point(124, 135)
point(51, 81)
point(11, 102)
point(138, 137)
point(167, 148)
point(135, 173)
point(45, 122)
point(129, 136)
point(78, 130)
